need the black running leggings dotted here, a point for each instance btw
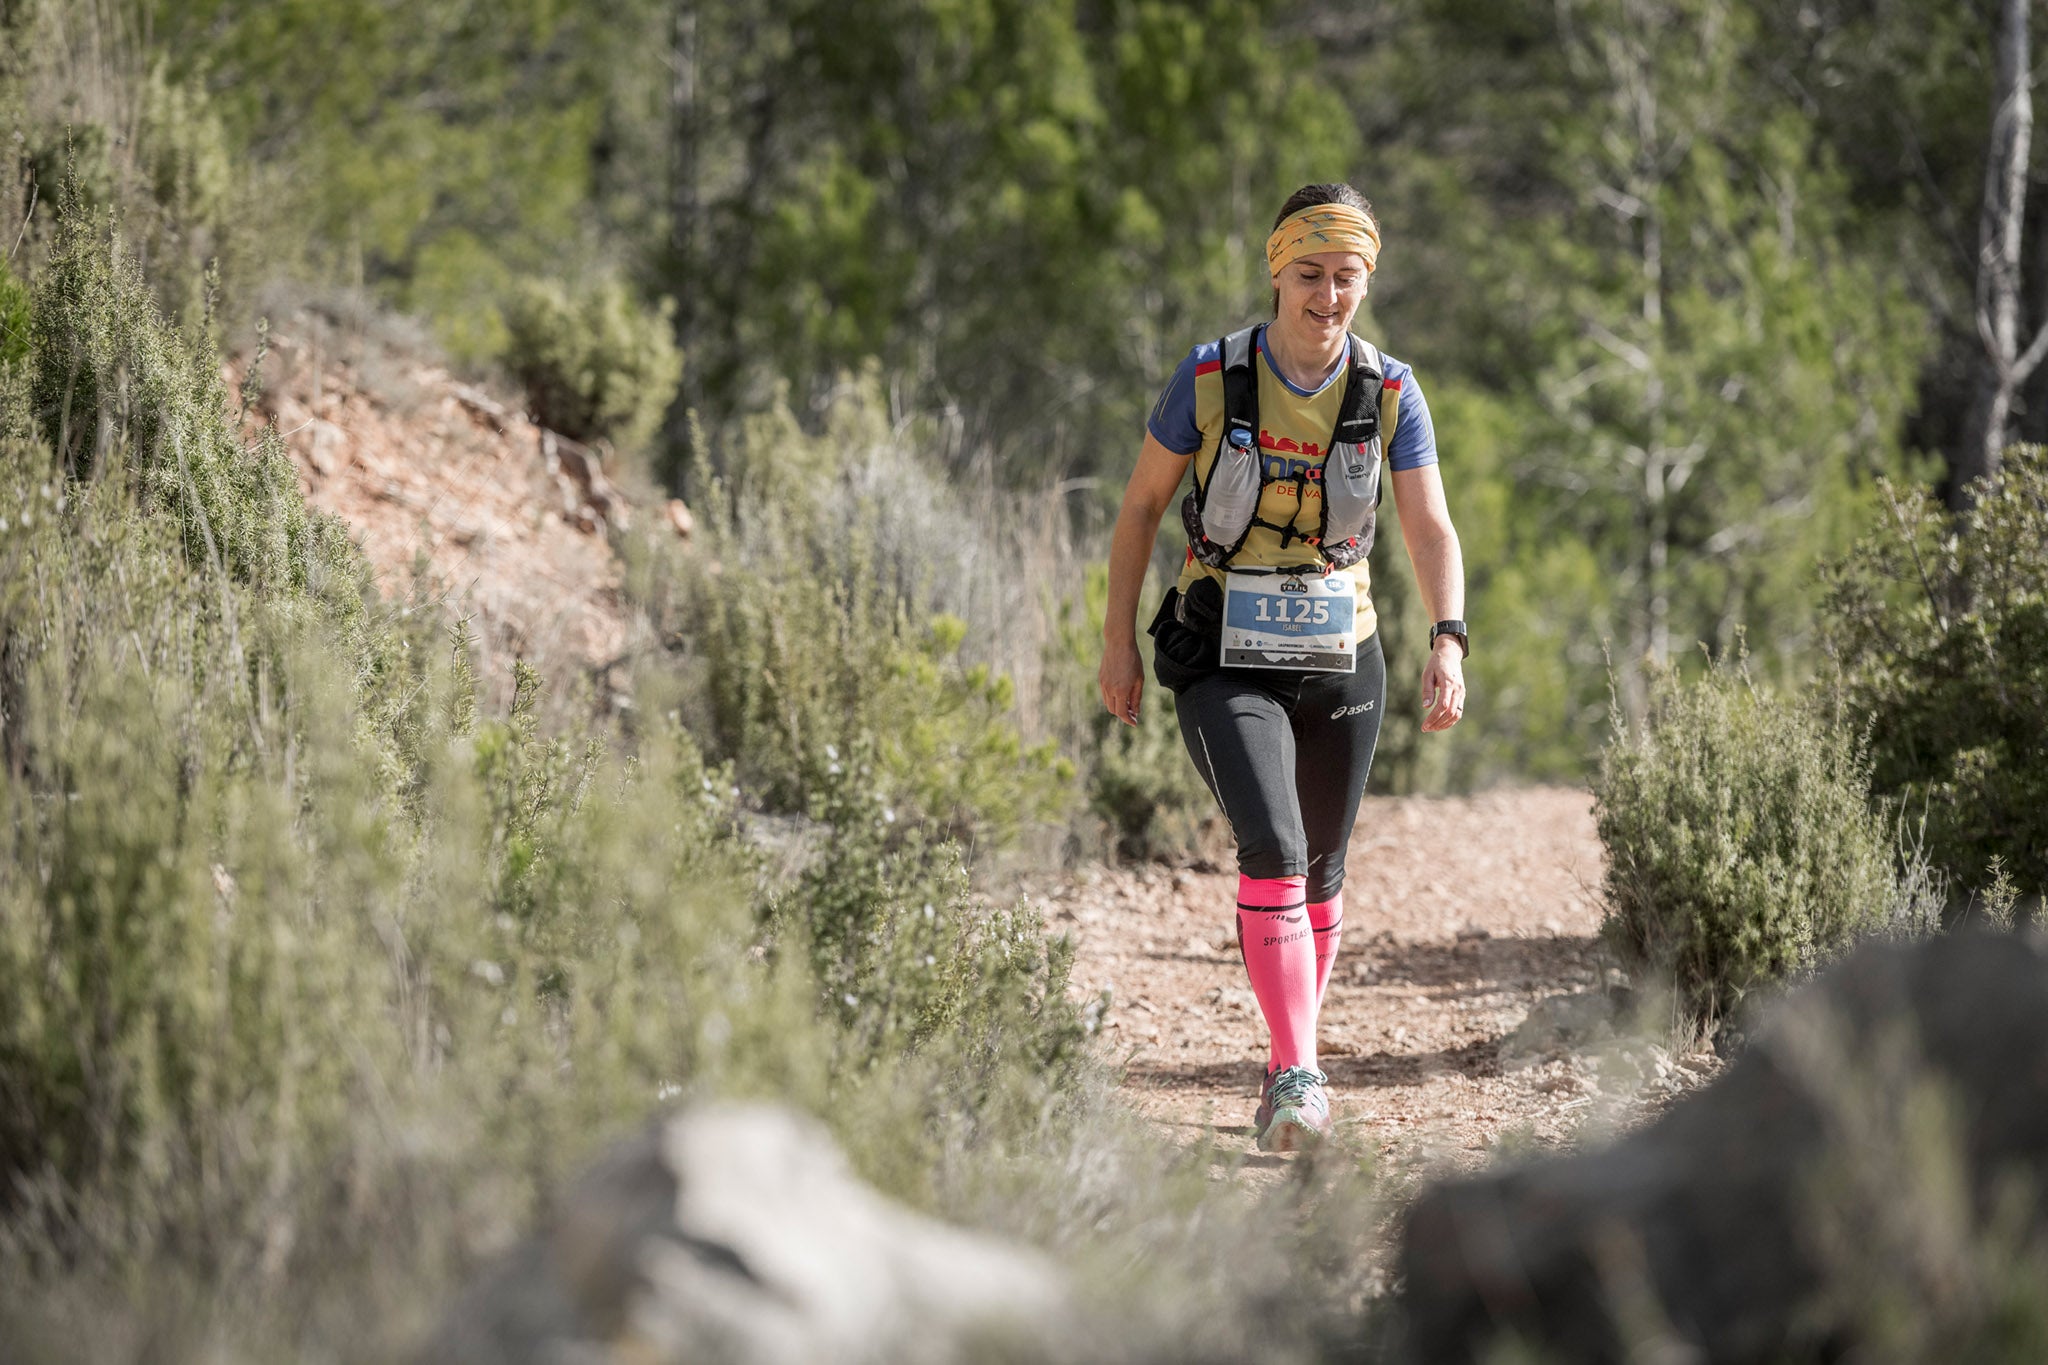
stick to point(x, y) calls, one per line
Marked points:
point(1286, 754)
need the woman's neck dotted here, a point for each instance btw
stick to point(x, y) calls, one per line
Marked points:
point(1303, 364)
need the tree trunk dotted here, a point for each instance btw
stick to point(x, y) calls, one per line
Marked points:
point(2000, 233)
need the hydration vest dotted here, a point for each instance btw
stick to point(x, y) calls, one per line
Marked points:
point(1220, 513)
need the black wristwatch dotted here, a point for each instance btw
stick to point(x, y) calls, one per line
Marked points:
point(1456, 628)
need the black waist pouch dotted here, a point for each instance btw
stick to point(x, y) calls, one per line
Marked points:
point(1187, 634)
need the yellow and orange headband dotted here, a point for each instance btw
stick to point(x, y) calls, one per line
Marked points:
point(1319, 228)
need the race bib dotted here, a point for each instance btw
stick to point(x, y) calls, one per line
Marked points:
point(1284, 620)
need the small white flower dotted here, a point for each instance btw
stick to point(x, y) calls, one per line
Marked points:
point(888, 816)
point(851, 1000)
point(832, 751)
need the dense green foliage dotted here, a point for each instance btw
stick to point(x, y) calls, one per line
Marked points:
point(1674, 372)
point(1669, 269)
point(1742, 849)
point(14, 318)
point(960, 188)
point(594, 363)
point(443, 151)
point(852, 647)
point(1940, 625)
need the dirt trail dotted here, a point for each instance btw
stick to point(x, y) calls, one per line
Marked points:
point(1460, 915)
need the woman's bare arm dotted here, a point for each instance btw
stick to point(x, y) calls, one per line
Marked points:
point(1151, 489)
point(1440, 575)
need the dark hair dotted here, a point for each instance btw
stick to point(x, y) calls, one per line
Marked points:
point(1308, 196)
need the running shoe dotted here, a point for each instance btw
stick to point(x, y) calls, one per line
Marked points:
point(1294, 1112)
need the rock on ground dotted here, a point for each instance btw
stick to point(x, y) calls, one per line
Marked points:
point(1843, 1171)
point(737, 1233)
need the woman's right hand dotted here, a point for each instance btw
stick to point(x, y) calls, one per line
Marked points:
point(1122, 680)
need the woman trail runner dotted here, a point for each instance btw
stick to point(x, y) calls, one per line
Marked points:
point(1268, 639)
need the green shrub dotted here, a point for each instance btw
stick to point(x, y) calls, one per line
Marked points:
point(1142, 788)
point(812, 619)
point(14, 318)
point(936, 992)
point(1940, 626)
point(894, 936)
point(120, 393)
point(596, 363)
point(75, 159)
point(150, 149)
point(183, 150)
point(1741, 848)
point(187, 181)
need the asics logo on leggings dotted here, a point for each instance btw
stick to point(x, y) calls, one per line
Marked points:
point(1357, 710)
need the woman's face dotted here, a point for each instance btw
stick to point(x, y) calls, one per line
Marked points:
point(1319, 294)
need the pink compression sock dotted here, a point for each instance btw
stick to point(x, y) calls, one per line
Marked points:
point(1327, 919)
point(1280, 958)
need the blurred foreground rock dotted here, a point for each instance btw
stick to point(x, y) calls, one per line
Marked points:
point(1834, 1186)
point(733, 1233)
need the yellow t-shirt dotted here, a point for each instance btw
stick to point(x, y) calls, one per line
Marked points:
point(1294, 429)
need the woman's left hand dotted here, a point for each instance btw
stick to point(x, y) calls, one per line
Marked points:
point(1443, 684)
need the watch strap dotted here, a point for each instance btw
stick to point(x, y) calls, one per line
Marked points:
point(1453, 627)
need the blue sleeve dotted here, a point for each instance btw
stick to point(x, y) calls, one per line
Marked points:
point(1414, 437)
point(1172, 423)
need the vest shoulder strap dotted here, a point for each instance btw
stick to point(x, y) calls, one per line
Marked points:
point(1240, 384)
point(1369, 364)
point(1360, 418)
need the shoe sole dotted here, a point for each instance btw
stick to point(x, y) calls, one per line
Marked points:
point(1288, 1132)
